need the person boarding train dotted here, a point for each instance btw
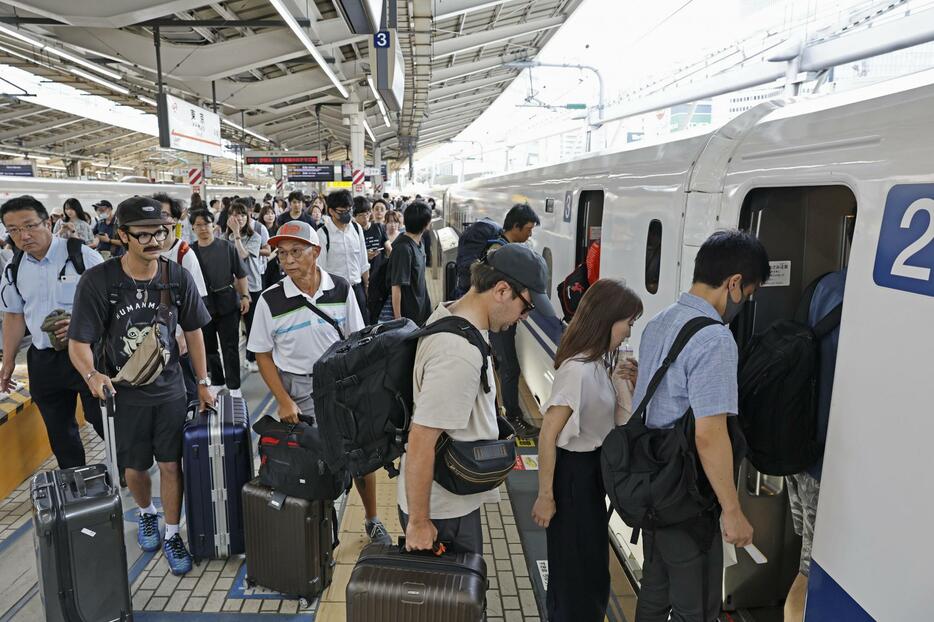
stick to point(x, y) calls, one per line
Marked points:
point(588, 398)
point(295, 322)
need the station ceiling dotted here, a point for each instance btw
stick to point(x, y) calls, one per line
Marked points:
point(456, 54)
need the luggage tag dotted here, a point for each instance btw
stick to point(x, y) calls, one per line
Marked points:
point(277, 500)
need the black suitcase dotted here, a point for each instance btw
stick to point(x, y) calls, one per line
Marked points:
point(289, 542)
point(389, 584)
point(217, 460)
point(80, 552)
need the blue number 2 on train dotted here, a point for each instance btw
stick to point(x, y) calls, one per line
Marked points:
point(905, 255)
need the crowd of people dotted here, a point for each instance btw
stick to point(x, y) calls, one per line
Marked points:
point(182, 283)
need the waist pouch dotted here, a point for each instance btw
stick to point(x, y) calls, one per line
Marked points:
point(291, 461)
point(223, 300)
point(471, 467)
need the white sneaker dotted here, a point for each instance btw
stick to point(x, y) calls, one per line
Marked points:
point(252, 366)
point(235, 393)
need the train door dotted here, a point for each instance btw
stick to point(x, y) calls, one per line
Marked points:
point(589, 222)
point(807, 233)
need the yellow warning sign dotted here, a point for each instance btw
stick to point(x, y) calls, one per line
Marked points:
point(339, 185)
point(525, 442)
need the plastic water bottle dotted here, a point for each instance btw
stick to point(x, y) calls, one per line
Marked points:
point(625, 352)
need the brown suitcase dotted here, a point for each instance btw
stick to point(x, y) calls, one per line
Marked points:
point(289, 542)
point(390, 585)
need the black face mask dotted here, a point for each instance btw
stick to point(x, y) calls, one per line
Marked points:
point(733, 308)
point(344, 217)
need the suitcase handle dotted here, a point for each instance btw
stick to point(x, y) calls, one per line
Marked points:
point(437, 549)
point(81, 482)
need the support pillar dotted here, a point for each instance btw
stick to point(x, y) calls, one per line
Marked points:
point(353, 111)
point(378, 176)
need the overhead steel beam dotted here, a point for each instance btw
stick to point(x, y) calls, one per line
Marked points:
point(466, 87)
point(475, 40)
point(94, 13)
point(22, 113)
point(457, 102)
point(101, 141)
point(443, 9)
point(467, 69)
point(61, 138)
point(41, 127)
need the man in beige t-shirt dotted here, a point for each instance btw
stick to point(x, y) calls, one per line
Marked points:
point(448, 397)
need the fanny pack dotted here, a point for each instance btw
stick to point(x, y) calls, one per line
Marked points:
point(471, 467)
point(291, 461)
point(146, 363)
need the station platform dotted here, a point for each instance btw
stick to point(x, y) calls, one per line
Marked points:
point(216, 591)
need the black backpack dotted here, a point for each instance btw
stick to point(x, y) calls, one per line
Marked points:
point(378, 291)
point(74, 256)
point(362, 387)
point(572, 289)
point(653, 476)
point(473, 245)
point(778, 382)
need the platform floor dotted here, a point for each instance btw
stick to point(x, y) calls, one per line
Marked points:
point(216, 590)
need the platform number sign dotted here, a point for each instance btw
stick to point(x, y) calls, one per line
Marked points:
point(381, 39)
point(905, 254)
point(568, 205)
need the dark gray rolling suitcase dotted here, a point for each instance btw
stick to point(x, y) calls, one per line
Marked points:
point(80, 553)
point(389, 584)
point(289, 542)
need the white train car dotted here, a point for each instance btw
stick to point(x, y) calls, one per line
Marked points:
point(803, 177)
point(53, 192)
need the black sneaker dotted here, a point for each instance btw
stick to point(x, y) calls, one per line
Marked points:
point(524, 430)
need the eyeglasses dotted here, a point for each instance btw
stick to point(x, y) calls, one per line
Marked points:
point(295, 253)
point(27, 228)
point(145, 237)
point(529, 307)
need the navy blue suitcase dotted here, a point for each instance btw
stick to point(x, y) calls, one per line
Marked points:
point(217, 461)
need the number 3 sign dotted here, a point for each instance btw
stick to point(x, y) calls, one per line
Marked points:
point(905, 255)
point(381, 39)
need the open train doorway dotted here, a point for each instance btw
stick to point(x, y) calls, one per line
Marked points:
point(589, 222)
point(807, 232)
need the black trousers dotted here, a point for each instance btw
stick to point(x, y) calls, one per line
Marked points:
point(507, 366)
point(360, 293)
point(461, 535)
point(224, 328)
point(55, 386)
point(578, 544)
point(682, 581)
point(248, 323)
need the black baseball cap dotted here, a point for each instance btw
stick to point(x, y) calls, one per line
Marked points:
point(140, 211)
point(103, 203)
point(527, 268)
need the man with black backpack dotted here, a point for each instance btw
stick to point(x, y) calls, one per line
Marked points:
point(38, 292)
point(298, 319)
point(683, 571)
point(343, 246)
point(453, 395)
point(129, 308)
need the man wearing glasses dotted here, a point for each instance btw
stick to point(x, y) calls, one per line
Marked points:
point(45, 282)
point(448, 397)
point(290, 334)
point(117, 305)
point(343, 249)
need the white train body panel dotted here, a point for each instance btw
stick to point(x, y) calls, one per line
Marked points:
point(874, 544)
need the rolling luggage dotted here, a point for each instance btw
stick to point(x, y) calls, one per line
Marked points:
point(110, 439)
point(389, 584)
point(217, 460)
point(80, 552)
point(289, 542)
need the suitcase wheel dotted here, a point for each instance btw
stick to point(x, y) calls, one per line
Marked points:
point(250, 583)
point(303, 603)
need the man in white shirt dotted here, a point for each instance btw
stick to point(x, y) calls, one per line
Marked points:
point(343, 248)
point(288, 337)
point(177, 249)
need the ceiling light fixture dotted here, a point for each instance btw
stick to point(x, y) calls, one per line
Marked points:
point(60, 53)
point(101, 81)
point(297, 30)
point(245, 130)
point(147, 100)
point(379, 100)
point(366, 126)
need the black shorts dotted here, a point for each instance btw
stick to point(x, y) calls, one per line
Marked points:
point(147, 432)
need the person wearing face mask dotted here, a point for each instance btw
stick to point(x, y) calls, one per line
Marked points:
point(729, 268)
point(589, 396)
point(343, 246)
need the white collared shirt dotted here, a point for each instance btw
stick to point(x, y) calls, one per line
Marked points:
point(299, 338)
point(346, 256)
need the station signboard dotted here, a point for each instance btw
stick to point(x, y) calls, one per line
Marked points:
point(17, 170)
point(389, 68)
point(311, 172)
point(187, 127)
point(281, 157)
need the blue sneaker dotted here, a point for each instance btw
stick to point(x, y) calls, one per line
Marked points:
point(177, 555)
point(148, 535)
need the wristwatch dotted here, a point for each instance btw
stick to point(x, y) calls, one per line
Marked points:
point(205, 382)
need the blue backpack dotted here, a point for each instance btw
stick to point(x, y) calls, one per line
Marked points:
point(473, 245)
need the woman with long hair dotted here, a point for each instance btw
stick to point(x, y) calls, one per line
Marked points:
point(393, 225)
point(249, 243)
point(588, 398)
point(75, 223)
point(267, 218)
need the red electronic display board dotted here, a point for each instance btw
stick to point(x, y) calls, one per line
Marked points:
point(281, 159)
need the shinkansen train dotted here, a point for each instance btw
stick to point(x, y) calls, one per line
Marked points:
point(53, 192)
point(838, 181)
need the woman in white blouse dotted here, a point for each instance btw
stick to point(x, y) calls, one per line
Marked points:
point(590, 395)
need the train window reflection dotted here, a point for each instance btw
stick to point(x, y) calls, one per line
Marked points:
point(653, 256)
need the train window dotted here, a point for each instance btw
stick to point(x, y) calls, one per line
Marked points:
point(546, 255)
point(653, 256)
point(549, 206)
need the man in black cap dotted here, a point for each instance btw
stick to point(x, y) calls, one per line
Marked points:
point(106, 230)
point(119, 304)
point(448, 397)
